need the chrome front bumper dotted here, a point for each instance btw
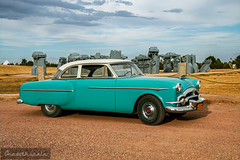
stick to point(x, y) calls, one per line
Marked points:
point(19, 101)
point(191, 107)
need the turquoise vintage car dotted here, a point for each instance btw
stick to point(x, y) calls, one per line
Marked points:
point(112, 86)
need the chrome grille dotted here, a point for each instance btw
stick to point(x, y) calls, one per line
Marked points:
point(189, 94)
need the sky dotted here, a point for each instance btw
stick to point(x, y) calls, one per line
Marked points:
point(61, 27)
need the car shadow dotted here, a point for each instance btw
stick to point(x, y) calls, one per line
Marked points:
point(190, 115)
point(187, 117)
point(100, 114)
point(32, 113)
point(109, 115)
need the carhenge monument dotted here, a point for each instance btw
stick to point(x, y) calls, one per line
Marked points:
point(150, 63)
point(39, 59)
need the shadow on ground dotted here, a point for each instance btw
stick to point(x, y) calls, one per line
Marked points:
point(187, 117)
point(94, 115)
point(190, 115)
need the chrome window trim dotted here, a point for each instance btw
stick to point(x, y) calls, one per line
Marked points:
point(97, 78)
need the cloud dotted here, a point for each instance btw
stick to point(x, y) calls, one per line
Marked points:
point(102, 2)
point(62, 11)
point(175, 10)
point(88, 26)
point(13, 9)
point(98, 2)
point(91, 19)
point(124, 2)
point(124, 14)
point(74, 22)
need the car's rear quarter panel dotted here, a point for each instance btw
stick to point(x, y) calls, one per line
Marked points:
point(47, 92)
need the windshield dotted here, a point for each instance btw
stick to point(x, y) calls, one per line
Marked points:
point(126, 70)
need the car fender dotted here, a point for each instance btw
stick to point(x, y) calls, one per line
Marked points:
point(153, 93)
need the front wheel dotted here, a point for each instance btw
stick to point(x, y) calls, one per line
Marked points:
point(51, 110)
point(150, 110)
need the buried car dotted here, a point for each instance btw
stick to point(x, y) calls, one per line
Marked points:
point(110, 85)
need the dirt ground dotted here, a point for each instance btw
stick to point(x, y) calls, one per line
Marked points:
point(212, 133)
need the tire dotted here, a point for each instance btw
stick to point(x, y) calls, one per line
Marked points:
point(150, 110)
point(177, 114)
point(51, 110)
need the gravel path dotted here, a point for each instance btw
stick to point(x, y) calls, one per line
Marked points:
point(213, 133)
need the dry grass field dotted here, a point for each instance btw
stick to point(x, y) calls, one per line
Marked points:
point(220, 82)
point(12, 70)
point(12, 77)
point(216, 82)
point(225, 82)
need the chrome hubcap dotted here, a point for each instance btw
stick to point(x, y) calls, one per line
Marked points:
point(50, 108)
point(149, 111)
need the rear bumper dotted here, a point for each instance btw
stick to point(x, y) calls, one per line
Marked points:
point(191, 107)
point(19, 101)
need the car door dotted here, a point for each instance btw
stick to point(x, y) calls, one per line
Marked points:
point(96, 88)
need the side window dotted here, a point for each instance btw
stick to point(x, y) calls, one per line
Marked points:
point(95, 71)
point(70, 73)
point(85, 71)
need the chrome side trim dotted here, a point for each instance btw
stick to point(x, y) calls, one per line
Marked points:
point(19, 101)
point(44, 90)
point(156, 89)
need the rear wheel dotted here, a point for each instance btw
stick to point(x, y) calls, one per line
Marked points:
point(150, 110)
point(51, 110)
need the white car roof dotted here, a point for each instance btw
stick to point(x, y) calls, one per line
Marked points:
point(94, 61)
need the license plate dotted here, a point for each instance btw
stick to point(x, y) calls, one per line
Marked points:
point(199, 106)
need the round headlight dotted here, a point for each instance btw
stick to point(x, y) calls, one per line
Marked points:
point(178, 87)
point(198, 84)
